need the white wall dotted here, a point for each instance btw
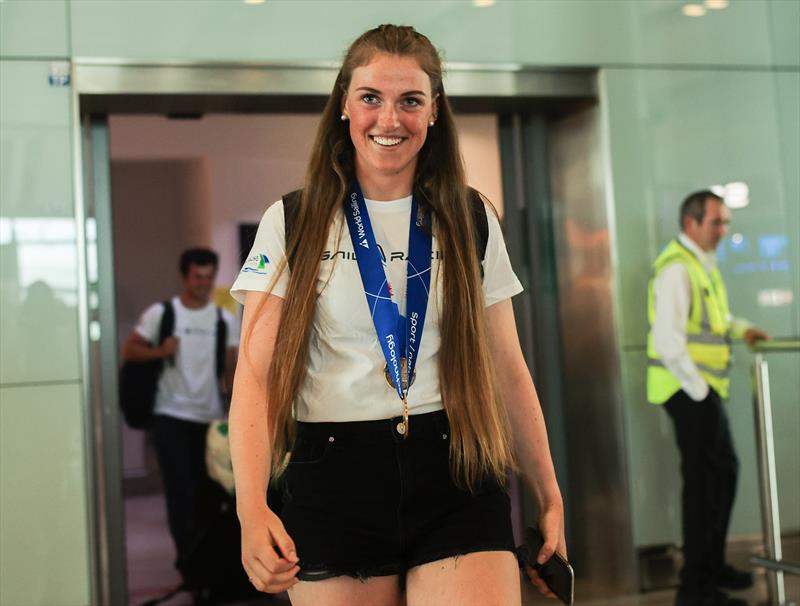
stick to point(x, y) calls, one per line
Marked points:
point(160, 207)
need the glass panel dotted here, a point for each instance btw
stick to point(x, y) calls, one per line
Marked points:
point(38, 254)
point(45, 551)
point(34, 29)
point(541, 32)
point(673, 132)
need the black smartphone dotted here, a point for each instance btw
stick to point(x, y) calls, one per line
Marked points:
point(555, 572)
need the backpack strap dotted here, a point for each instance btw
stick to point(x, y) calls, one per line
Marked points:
point(291, 205)
point(222, 340)
point(167, 326)
point(481, 225)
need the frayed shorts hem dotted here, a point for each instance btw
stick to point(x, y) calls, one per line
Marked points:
point(455, 553)
point(321, 573)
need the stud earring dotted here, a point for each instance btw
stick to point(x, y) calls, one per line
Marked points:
point(431, 123)
point(344, 117)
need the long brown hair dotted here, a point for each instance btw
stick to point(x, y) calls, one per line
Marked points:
point(480, 435)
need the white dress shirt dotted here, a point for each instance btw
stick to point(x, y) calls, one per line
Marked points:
point(673, 299)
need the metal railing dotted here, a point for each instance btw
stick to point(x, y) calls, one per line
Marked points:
point(767, 477)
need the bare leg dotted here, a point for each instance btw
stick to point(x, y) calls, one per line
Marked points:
point(489, 578)
point(347, 591)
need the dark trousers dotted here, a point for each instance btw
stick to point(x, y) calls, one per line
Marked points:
point(709, 468)
point(180, 447)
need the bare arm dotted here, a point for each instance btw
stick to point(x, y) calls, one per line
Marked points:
point(251, 450)
point(528, 426)
point(139, 349)
point(230, 367)
point(250, 445)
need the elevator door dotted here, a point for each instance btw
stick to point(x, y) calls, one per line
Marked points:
point(104, 419)
point(559, 239)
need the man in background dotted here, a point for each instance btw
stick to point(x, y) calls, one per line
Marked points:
point(689, 356)
point(199, 361)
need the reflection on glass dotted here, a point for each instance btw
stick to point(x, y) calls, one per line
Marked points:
point(736, 194)
point(43, 250)
point(775, 297)
point(38, 297)
point(91, 250)
point(772, 246)
point(693, 10)
point(739, 244)
point(5, 231)
point(763, 254)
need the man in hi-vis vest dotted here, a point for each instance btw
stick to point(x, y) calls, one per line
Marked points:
point(689, 356)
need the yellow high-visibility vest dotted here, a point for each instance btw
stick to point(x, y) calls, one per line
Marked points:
point(707, 330)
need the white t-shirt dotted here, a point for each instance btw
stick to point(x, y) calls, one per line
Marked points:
point(345, 380)
point(188, 388)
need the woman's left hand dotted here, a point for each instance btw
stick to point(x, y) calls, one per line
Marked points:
point(551, 525)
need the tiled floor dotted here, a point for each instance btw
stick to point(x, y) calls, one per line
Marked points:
point(151, 574)
point(150, 550)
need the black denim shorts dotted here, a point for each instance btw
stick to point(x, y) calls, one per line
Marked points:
point(362, 501)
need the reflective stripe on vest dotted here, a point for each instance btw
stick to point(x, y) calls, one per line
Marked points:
point(708, 328)
point(708, 338)
point(717, 372)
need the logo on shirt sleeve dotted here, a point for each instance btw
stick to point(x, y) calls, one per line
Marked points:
point(256, 264)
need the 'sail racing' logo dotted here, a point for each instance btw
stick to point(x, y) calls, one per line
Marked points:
point(395, 255)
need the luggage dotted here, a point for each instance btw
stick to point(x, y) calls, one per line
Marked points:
point(212, 565)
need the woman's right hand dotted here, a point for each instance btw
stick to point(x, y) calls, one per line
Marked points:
point(264, 539)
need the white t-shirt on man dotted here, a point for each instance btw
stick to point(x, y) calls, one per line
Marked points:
point(345, 379)
point(188, 388)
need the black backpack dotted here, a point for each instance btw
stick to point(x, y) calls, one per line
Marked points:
point(138, 381)
point(291, 204)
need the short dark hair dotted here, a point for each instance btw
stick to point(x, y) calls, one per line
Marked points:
point(694, 205)
point(198, 256)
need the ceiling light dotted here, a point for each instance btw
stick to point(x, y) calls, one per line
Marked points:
point(716, 5)
point(253, 2)
point(483, 3)
point(694, 10)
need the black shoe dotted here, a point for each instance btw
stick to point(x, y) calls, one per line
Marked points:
point(706, 598)
point(733, 578)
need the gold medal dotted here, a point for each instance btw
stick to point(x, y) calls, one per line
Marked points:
point(403, 375)
point(402, 427)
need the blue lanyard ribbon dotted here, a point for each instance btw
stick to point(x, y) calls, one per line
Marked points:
point(399, 337)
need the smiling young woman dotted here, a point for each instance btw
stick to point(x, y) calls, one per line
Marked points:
point(390, 107)
point(394, 450)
